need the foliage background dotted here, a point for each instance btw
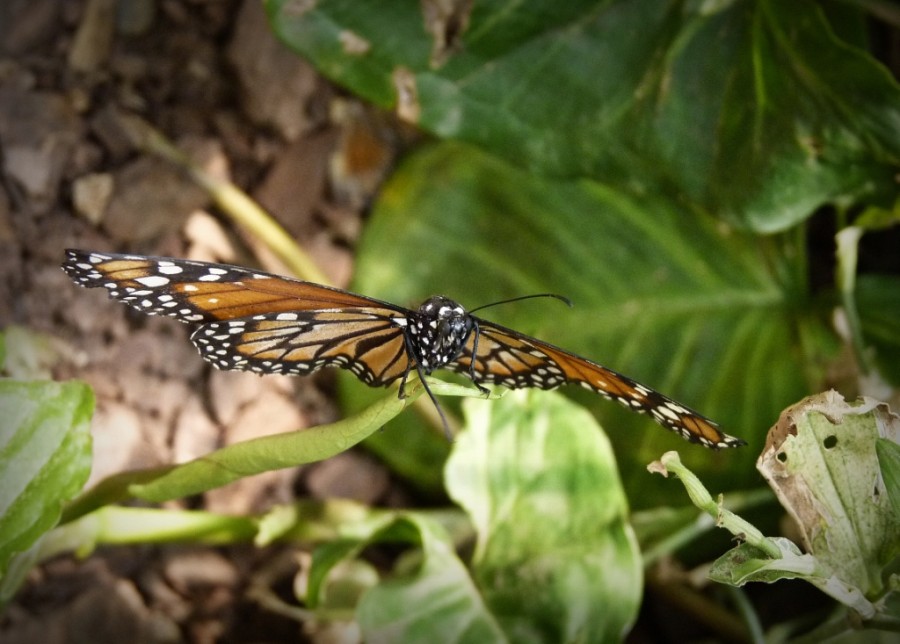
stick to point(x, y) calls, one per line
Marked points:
point(658, 164)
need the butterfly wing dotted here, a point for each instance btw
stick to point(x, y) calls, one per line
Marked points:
point(197, 292)
point(256, 321)
point(365, 341)
point(271, 324)
point(506, 357)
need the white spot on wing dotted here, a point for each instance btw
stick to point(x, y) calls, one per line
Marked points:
point(153, 281)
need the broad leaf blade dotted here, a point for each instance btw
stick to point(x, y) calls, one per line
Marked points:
point(669, 297)
point(783, 117)
point(539, 481)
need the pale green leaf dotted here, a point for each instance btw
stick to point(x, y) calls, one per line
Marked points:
point(45, 458)
point(539, 481)
point(437, 602)
point(273, 452)
point(822, 463)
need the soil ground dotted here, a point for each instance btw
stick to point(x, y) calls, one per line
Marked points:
point(211, 77)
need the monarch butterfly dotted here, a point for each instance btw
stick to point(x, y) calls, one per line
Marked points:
point(253, 321)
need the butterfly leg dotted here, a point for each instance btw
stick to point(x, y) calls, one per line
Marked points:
point(401, 394)
point(422, 374)
point(477, 384)
point(434, 401)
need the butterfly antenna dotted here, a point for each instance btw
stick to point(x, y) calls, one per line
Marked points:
point(555, 296)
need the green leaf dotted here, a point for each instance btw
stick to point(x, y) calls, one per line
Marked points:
point(233, 462)
point(747, 563)
point(271, 452)
point(116, 525)
point(539, 481)
point(672, 298)
point(438, 602)
point(325, 558)
point(888, 452)
point(45, 459)
point(878, 302)
point(785, 116)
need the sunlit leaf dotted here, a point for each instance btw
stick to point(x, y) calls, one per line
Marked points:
point(539, 480)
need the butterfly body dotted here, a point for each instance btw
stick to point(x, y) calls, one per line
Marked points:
point(254, 321)
point(438, 332)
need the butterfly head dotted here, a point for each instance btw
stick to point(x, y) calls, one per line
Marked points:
point(438, 332)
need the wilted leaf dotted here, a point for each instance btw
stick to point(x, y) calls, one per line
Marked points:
point(821, 461)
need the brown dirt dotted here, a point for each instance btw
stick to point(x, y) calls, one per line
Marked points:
point(212, 78)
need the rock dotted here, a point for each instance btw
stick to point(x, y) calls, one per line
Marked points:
point(349, 475)
point(91, 194)
point(38, 132)
point(276, 83)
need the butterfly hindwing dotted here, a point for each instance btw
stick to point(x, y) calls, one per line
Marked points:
point(367, 342)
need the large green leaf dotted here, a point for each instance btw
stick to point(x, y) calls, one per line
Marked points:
point(683, 304)
point(538, 479)
point(755, 110)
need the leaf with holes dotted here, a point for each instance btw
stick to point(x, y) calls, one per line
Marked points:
point(822, 462)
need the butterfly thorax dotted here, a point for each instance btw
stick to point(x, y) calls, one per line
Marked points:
point(438, 331)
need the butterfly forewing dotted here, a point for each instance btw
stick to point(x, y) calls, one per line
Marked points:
point(506, 357)
point(200, 292)
point(367, 342)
